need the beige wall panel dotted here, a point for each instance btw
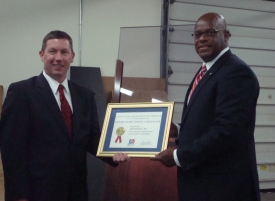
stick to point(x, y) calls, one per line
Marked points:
point(263, 112)
point(265, 153)
point(242, 4)
point(180, 52)
point(190, 12)
point(264, 134)
point(179, 36)
point(177, 93)
point(261, 120)
point(267, 96)
point(177, 117)
point(267, 82)
point(179, 77)
point(265, 75)
point(267, 185)
point(178, 107)
point(267, 176)
point(266, 172)
point(264, 71)
point(266, 109)
point(183, 73)
point(185, 67)
point(261, 109)
point(255, 57)
point(265, 120)
point(265, 33)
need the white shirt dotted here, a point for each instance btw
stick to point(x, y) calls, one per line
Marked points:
point(54, 86)
point(208, 66)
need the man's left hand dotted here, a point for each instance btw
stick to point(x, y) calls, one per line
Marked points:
point(166, 158)
point(120, 157)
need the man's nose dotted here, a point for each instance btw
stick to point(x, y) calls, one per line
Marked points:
point(203, 37)
point(58, 56)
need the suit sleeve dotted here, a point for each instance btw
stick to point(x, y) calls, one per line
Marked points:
point(14, 134)
point(234, 111)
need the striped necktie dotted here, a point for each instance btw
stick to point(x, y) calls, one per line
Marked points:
point(197, 79)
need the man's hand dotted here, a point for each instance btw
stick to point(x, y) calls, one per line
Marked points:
point(120, 157)
point(166, 158)
point(173, 131)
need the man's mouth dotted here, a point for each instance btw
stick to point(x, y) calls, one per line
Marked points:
point(57, 65)
point(203, 47)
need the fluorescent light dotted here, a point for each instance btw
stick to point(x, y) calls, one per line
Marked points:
point(156, 100)
point(126, 92)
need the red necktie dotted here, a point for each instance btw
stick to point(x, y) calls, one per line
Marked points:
point(197, 79)
point(66, 110)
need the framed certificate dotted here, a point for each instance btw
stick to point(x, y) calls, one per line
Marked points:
point(138, 129)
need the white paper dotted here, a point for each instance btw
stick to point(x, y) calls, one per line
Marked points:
point(136, 130)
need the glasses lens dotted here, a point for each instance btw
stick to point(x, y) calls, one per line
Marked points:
point(197, 34)
point(210, 32)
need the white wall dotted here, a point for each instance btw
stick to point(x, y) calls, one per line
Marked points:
point(25, 23)
point(102, 20)
point(23, 26)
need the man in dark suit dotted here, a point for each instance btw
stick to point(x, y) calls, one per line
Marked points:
point(48, 124)
point(216, 150)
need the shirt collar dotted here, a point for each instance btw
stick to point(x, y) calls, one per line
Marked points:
point(210, 63)
point(54, 84)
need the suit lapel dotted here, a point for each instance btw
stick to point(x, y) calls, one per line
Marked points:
point(209, 74)
point(46, 94)
point(76, 108)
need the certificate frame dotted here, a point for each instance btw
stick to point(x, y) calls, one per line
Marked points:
point(138, 129)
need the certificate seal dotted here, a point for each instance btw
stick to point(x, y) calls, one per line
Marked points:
point(119, 132)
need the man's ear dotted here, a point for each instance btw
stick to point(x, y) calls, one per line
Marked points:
point(227, 35)
point(41, 54)
point(72, 60)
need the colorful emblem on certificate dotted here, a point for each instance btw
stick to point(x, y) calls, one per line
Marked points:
point(119, 132)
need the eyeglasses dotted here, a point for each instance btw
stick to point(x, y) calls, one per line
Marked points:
point(208, 33)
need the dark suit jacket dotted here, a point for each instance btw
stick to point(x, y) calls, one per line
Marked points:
point(216, 146)
point(40, 161)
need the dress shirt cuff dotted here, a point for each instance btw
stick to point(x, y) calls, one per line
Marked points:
point(176, 158)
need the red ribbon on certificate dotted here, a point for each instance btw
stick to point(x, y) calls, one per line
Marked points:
point(118, 139)
point(120, 131)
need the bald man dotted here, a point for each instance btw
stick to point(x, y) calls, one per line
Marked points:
point(216, 150)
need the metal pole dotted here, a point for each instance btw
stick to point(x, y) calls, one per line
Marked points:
point(80, 33)
point(164, 41)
